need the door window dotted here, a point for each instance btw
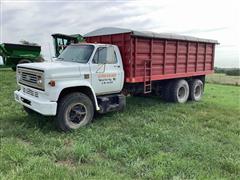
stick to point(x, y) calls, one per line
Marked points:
point(105, 55)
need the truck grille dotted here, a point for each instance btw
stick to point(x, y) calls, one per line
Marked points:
point(30, 77)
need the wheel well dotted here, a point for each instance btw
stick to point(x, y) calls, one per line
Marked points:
point(83, 89)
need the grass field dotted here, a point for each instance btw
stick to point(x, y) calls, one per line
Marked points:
point(218, 78)
point(151, 139)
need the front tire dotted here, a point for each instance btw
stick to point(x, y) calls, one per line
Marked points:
point(74, 111)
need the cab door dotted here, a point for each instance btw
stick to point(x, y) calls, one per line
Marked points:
point(106, 71)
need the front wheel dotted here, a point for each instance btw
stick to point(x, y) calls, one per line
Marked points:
point(74, 111)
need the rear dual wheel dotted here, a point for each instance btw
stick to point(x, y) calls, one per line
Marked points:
point(180, 90)
point(196, 90)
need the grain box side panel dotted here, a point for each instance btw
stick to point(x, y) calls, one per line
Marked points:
point(171, 58)
point(143, 51)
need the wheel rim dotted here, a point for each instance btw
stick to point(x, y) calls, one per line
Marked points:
point(198, 91)
point(76, 113)
point(181, 92)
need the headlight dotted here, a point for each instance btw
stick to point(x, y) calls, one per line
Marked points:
point(39, 80)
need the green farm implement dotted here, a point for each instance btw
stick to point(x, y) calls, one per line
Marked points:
point(14, 54)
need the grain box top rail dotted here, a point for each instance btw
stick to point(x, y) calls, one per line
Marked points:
point(147, 34)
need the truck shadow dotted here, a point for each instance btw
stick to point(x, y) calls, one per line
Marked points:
point(36, 121)
point(135, 103)
point(46, 124)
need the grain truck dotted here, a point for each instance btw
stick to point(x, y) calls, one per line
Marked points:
point(95, 76)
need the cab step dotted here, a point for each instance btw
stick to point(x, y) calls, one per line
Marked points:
point(108, 103)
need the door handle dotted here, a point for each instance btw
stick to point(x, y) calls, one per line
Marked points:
point(117, 66)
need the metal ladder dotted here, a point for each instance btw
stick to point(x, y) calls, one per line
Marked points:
point(147, 76)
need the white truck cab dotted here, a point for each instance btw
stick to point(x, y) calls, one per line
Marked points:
point(85, 78)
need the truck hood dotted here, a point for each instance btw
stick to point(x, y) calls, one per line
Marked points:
point(49, 65)
point(57, 69)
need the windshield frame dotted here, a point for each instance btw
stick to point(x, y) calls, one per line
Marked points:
point(74, 45)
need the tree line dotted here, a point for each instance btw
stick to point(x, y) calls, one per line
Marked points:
point(228, 71)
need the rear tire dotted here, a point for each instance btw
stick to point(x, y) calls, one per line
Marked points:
point(14, 68)
point(196, 90)
point(39, 59)
point(22, 61)
point(166, 91)
point(179, 91)
point(74, 111)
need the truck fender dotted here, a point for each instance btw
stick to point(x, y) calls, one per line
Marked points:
point(75, 85)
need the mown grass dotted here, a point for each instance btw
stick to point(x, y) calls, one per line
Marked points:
point(151, 139)
point(218, 78)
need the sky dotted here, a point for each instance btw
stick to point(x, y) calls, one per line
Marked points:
point(35, 21)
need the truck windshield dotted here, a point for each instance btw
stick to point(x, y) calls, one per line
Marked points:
point(77, 53)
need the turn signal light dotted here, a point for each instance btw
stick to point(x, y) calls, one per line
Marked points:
point(52, 83)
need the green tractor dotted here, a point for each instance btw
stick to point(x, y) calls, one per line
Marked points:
point(14, 54)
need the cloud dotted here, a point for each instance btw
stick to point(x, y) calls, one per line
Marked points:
point(35, 21)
